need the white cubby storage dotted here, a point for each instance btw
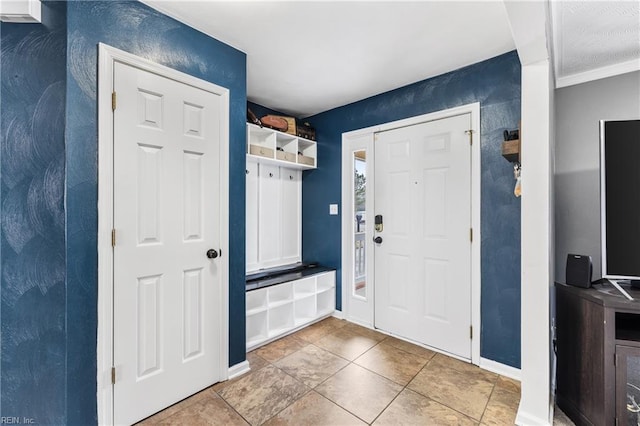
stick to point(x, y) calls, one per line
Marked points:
point(307, 152)
point(257, 327)
point(305, 310)
point(325, 282)
point(280, 294)
point(305, 287)
point(280, 149)
point(280, 309)
point(280, 318)
point(326, 301)
point(256, 302)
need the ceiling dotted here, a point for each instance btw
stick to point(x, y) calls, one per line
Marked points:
point(594, 39)
point(305, 57)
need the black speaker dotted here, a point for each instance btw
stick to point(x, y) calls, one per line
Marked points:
point(579, 270)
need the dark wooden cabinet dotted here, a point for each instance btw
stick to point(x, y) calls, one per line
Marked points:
point(628, 385)
point(598, 350)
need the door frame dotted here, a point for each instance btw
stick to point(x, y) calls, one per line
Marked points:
point(352, 141)
point(107, 57)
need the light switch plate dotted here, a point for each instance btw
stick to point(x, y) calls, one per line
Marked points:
point(333, 209)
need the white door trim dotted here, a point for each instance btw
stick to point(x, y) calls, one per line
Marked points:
point(362, 310)
point(348, 137)
point(107, 58)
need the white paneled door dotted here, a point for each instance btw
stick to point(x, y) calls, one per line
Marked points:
point(423, 259)
point(166, 219)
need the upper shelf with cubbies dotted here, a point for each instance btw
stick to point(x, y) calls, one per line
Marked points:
point(271, 146)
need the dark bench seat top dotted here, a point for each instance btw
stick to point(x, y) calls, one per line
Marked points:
point(283, 274)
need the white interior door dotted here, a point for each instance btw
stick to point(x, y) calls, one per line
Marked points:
point(166, 322)
point(423, 264)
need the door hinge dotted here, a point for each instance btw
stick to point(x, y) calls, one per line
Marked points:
point(470, 332)
point(113, 101)
point(113, 375)
point(615, 359)
point(470, 133)
point(113, 238)
point(471, 234)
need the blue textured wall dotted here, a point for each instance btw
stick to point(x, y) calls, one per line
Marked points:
point(49, 330)
point(138, 29)
point(494, 83)
point(32, 100)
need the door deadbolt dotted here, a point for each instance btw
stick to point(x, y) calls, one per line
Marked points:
point(378, 223)
point(212, 254)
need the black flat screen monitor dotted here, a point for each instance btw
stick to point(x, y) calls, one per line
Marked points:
point(620, 198)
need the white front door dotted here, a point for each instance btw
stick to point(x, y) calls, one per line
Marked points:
point(166, 322)
point(423, 264)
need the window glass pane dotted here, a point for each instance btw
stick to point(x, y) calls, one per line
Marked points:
point(360, 225)
point(633, 389)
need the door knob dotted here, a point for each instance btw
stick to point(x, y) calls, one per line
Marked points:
point(212, 254)
point(377, 240)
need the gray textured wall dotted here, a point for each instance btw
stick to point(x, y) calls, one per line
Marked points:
point(579, 109)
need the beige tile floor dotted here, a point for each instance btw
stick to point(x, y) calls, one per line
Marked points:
point(338, 373)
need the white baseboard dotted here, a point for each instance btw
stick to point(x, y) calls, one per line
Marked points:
point(526, 419)
point(239, 369)
point(499, 368)
point(365, 325)
point(338, 314)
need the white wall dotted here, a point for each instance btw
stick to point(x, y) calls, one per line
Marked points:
point(537, 242)
point(578, 111)
point(530, 28)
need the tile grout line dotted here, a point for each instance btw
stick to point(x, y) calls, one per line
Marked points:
point(488, 400)
point(284, 408)
point(229, 404)
point(246, 375)
point(233, 408)
point(435, 401)
point(405, 387)
point(310, 389)
point(332, 331)
point(349, 362)
point(352, 362)
point(386, 342)
point(336, 402)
